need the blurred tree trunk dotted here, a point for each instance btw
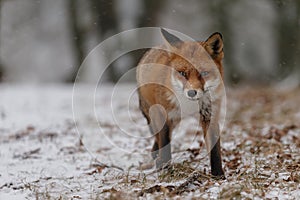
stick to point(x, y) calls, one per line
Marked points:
point(105, 18)
point(148, 18)
point(288, 32)
point(77, 37)
point(151, 10)
point(106, 21)
point(1, 66)
point(297, 53)
point(220, 11)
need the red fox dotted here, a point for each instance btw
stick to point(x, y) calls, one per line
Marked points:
point(179, 79)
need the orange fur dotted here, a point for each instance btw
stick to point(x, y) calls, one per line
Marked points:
point(178, 76)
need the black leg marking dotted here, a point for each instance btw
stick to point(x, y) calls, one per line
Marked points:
point(164, 148)
point(216, 161)
point(154, 151)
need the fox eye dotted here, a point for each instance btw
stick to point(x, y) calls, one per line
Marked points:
point(204, 73)
point(182, 73)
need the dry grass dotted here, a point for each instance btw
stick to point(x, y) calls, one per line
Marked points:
point(262, 160)
point(260, 148)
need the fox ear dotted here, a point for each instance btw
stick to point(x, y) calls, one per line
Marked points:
point(171, 40)
point(214, 46)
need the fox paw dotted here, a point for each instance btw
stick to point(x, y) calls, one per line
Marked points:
point(218, 175)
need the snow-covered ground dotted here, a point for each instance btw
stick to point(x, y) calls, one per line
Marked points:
point(97, 145)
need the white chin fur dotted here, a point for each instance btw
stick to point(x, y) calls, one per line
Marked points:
point(193, 99)
point(188, 106)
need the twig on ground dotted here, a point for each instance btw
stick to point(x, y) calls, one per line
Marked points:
point(97, 164)
point(190, 180)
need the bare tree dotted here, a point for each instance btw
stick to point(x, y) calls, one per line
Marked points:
point(77, 37)
point(1, 67)
point(288, 31)
point(220, 10)
point(149, 18)
point(150, 15)
point(105, 18)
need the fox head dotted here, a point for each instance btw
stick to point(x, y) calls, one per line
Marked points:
point(196, 66)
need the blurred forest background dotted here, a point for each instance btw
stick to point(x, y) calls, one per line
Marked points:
point(44, 41)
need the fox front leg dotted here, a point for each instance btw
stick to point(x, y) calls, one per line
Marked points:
point(161, 150)
point(164, 147)
point(211, 130)
point(212, 140)
point(154, 150)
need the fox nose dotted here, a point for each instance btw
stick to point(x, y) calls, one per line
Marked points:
point(192, 93)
